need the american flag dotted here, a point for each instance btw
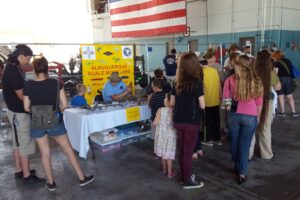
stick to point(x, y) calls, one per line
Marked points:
point(138, 18)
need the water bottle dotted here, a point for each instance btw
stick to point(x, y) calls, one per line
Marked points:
point(58, 114)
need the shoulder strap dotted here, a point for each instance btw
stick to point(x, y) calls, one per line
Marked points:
point(230, 89)
point(57, 97)
point(285, 66)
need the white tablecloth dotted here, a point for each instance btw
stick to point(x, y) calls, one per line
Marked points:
point(80, 124)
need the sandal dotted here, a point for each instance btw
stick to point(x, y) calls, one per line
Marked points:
point(195, 156)
point(200, 153)
point(173, 174)
point(164, 172)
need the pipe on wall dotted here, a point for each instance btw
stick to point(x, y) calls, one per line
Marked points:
point(264, 24)
point(232, 22)
point(280, 30)
point(271, 21)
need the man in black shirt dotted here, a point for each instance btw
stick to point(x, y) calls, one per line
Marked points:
point(13, 83)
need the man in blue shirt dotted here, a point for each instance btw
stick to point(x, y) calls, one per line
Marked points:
point(115, 88)
point(170, 64)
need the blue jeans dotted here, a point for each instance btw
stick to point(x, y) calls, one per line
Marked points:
point(241, 128)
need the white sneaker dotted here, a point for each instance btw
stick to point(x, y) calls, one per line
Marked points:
point(192, 184)
point(208, 143)
point(219, 143)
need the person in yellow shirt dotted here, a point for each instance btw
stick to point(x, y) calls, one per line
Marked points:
point(212, 94)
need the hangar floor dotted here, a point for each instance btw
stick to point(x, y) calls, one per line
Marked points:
point(132, 172)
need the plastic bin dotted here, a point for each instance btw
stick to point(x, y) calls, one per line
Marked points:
point(144, 136)
point(105, 146)
point(130, 139)
point(127, 130)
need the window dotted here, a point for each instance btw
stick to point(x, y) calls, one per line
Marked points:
point(101, 6)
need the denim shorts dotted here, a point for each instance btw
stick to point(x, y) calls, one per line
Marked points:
point(56, 131)
point(286, 85)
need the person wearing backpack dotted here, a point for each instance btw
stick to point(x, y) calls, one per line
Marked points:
point(40, 93)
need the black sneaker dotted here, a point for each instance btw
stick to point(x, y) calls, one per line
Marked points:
point(51, 187)
point(87, 180)
point(193, 176)
point(192, 184)
point(241, 180)
point(33, 179)
point(281, 114)
point(19, 175)
point(294, 114)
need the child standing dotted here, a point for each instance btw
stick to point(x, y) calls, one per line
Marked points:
point(156, 101)
point(212, 91)
point(187, 98)
point(165, 138)
point(79, 100)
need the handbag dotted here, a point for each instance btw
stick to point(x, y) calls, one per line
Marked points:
point(234, 103)
point(44, 117)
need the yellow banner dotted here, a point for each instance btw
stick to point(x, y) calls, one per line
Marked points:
point(133, 114)
point(100, 60)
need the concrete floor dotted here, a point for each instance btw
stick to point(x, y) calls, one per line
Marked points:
point(132, 173)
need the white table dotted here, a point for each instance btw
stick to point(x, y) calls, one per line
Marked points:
point(80, 124)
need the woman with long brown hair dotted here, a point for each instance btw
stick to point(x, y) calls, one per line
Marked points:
point(243, 92)
point(263, 68)
point(187, 98)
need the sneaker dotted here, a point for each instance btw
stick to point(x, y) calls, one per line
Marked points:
point(19, 175)
point(294, 114)
point(33, 179)
point(192, 184)
point(193, 176)
point(281, 114)
point(87, 180)
point(219, 143)
point(51, 187)
point(208, 143)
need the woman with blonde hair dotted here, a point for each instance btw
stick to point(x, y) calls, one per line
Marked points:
point(242, 93)
point(283, 68)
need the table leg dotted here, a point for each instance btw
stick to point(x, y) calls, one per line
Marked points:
point(92, 148)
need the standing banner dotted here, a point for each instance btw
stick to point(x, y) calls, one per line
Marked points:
point(100, 60)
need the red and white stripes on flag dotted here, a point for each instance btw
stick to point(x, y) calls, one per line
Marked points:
point(138, 18)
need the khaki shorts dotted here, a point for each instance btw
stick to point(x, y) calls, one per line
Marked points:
point(26, 143)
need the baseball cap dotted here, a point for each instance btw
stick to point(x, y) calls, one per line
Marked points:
point(21, 49)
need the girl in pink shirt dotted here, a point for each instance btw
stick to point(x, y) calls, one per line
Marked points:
point(242, 94)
